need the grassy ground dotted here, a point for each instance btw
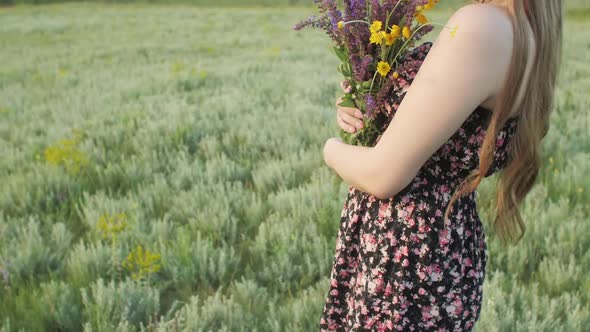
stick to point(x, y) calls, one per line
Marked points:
point(198, 131)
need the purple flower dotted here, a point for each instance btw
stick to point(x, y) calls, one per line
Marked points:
point(335, 16)
point(410, 9)
point(371, 106)
point(423, 31)
point(313, 21)
point(323, 22)
point(377, 12)
point(328, 21)
point(360, 67)
point(355, 9)
point(326, 6)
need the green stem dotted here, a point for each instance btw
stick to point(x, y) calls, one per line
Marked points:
point(386, 54)
point(373, 80)
point(389, 15)
point(410, 38)
point(360, 21)
point(419, 27)
point(391, 48)
point(115, 259)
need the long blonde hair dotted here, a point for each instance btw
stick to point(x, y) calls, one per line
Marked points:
point(518, 177)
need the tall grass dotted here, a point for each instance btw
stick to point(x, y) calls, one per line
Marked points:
point(197, 133)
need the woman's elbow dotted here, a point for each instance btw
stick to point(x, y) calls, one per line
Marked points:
point(385, 195)
point(388, 183)
point(383, 189)
point(387, 177)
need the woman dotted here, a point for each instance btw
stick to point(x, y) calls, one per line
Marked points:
point(411, 250)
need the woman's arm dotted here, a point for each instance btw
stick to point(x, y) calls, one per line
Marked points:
point(355, 164)
point(457, 74)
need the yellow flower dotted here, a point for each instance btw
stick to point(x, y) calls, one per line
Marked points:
point(389, 39)
point(430, 4)
point(377, 37)
point(395, 74)
point(340, 24)
point(383, 68)
point(66, 153)
point(419, 8)
point(421, 19)
point(395, 30)
point(454, 31)
point(406, 32)
point(376, 26)
point(112, 225)
point(142, 262)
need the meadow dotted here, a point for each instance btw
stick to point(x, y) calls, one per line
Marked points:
point(162, 170)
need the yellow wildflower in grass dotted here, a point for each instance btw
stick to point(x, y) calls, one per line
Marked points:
point(389, 39)
point(454, 31)
point(395, 30)
point(421, 19)
point(406, 32)
point(419, 8)
point(340, 24)
point(110, 226)
point(142, 262)
point(395, 74)
point(375, 27)
point(66, 153)
point(383, 68)
point(62, 72)
point(177, 67)
point(274, 51)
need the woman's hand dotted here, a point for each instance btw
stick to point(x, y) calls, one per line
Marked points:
point(348, 118)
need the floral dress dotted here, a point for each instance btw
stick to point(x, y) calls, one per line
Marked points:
point(399, 266)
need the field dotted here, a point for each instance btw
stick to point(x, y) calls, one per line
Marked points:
point(161, 166)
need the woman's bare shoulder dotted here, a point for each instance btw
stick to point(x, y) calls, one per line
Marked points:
point(484, 31)
point(484, 17)
point(489, 28)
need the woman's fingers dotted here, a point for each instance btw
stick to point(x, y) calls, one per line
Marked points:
point(350, 120)
point(344, 125)
point(352, 111)
point(345, 85)
point(346, 117)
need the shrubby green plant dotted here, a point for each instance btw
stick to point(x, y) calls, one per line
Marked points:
point(222, 176)
point(107, 305)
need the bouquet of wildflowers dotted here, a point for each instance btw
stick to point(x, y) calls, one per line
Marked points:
point(374, 40)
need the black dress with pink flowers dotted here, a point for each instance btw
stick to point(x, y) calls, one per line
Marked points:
point(398, 265)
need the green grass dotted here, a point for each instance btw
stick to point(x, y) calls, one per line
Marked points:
point(205, 126)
